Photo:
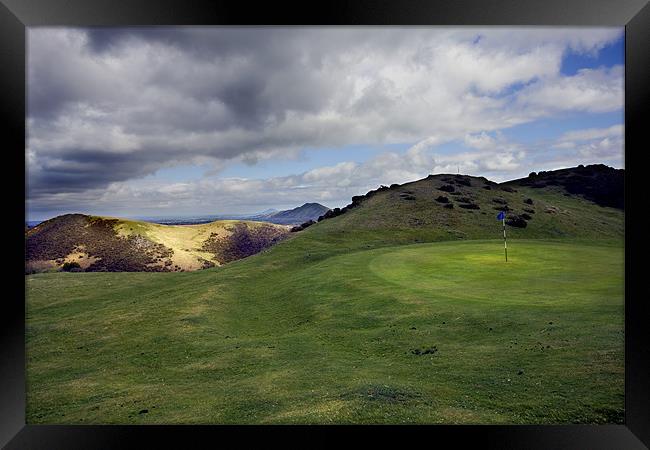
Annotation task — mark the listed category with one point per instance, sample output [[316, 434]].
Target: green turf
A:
[[300, 335]]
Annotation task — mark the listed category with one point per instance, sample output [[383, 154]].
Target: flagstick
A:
[[505, 242]]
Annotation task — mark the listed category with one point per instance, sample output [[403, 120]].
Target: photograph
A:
[[325, 225]]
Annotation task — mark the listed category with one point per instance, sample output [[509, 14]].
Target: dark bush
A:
[[394, 186], [465, 200], [331, 213], [424, 351], [487, 187], [508, 189], [447, 188], [529, 201], [500, 201], [531, 211], [516, 221], [302, 226], [449, 206], [463, 180], [357, 199], [526, 216], [70, 266], [502, 208], [442, 199], [532, 175], [206, 264], [469, 206]]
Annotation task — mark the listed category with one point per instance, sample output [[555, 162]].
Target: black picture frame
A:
[[16, 15]]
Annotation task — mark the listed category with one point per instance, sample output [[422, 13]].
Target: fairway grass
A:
[[428, 333]]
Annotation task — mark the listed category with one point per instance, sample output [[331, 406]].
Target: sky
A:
[[180, 121]]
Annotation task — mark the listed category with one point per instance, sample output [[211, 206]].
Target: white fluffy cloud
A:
[[617, 131], [590, 90]]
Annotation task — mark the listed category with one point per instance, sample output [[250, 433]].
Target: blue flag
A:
[[501, 216]]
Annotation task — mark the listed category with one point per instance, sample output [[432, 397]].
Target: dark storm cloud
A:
[[110, 105], [173, 91], [78, 169]]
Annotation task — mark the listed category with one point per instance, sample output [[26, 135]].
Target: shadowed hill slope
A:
[[599, 183]]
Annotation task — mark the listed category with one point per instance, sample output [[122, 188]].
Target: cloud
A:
[[593, 133], [480, 141], [332, 185], [107, 107], [584, 146], [590, 90]]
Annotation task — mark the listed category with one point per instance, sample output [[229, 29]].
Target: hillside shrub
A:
[[71, 266], [357, 199], [302, 226], [447, 188], [332, 213], [516, 221]]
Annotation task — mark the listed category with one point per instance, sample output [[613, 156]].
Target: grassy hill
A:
[[398, 310], [113, 244], [426, 211]]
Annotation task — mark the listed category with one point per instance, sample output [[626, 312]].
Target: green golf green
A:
[[428, 333]]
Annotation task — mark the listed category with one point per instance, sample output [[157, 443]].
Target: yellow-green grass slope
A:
[[351, 321], [187, 241]]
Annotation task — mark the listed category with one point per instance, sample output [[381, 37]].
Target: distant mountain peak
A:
[[267, 212], [300, 214]]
